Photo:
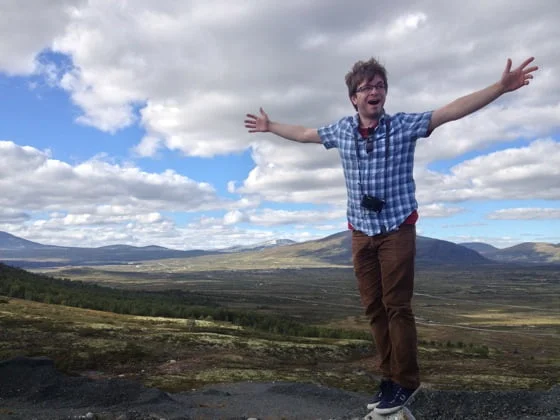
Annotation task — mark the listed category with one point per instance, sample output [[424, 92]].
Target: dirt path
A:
[[31, 388]]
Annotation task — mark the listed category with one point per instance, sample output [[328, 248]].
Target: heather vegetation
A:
[[479, 328], [21, 284]]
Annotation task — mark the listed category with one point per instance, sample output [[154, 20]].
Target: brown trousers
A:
[[384, 268]]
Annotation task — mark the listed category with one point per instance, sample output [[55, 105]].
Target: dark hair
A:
[[364, 70]]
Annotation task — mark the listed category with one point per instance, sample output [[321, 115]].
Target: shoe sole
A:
[[371, 406], [395, 409]]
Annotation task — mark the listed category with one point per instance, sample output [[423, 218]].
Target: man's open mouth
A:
[[374, 102]]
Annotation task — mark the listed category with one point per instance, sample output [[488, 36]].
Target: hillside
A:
[[337, 249], [9, 242], [479, 247], [525, 253], [259, 246], [331, 250], [430, 251], [529, 252], [170, 366], [23, 253]]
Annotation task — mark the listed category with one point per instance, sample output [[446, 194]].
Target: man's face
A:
[[369, 98]]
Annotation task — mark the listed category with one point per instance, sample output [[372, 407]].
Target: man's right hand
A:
[[261, 124], [258, 123]]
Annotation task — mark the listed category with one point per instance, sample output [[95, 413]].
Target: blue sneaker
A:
[[385, 389], [397, 400]]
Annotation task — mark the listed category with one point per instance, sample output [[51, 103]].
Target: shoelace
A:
[[400, 396]]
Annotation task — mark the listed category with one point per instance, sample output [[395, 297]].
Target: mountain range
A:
[[527, 252], [333, 249]]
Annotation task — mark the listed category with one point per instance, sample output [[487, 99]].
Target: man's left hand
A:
[[513, 80]]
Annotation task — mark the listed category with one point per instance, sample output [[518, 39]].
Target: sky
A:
[[121, 122]]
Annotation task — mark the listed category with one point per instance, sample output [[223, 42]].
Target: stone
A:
[[403, 414]]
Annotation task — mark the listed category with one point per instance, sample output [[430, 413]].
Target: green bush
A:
[[18, 283]]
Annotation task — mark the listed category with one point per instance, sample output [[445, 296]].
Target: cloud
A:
[[30, 179], [8, 215], [105, 215], [525, 214], [295, 173], [188, 72], [515, 173], [191, 99], [270, 217], [487, 128], [234, 217], [28, 28], [439, 210], [406, 24]]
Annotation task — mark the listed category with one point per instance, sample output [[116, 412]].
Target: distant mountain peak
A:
[[12, 242], [525, 252], [479, 247]]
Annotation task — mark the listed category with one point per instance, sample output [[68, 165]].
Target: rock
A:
[[403, 414]]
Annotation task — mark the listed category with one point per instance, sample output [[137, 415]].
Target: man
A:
[[376, 151]]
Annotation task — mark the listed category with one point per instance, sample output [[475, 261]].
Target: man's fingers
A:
[[531, 69], [252, 116], [508, 66], [526, 62]]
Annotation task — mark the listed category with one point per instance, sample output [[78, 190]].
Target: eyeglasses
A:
[[369, 88]]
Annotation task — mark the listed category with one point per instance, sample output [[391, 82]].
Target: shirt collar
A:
[[356, 119]]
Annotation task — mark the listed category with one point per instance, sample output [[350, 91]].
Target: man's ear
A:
[[354, 100]]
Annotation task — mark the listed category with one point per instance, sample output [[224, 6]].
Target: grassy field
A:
[[172, 354], [497, 328]]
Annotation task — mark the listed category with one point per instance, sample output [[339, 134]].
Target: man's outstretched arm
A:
[[261, 124], [510, 81]]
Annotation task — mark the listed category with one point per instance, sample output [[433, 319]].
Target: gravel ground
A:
[[31, 388]]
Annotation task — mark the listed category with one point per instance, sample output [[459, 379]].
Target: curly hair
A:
[[364, 70]]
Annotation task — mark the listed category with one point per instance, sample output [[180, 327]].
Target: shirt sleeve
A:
[[417, 125], [330, 134]]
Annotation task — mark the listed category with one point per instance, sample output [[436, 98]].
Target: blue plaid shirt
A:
[[399, 193]]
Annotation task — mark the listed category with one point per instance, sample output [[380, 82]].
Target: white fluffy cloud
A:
[[193, 68], [485, 129], [28, 27], [30, 179], [530, 172], [439, 210], [526, 214], [269, 217], [295, 173]]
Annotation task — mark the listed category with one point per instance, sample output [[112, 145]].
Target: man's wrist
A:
[[499, 88]]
